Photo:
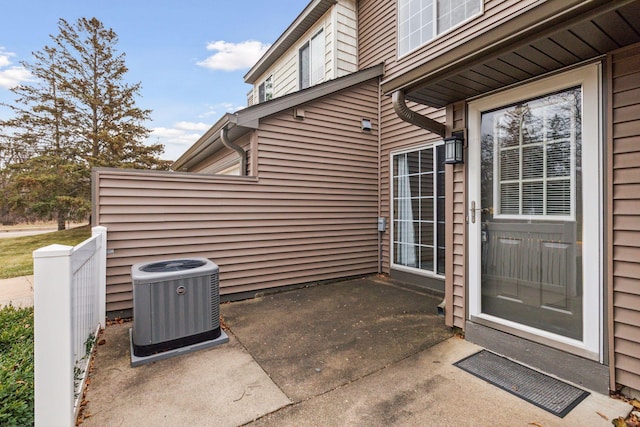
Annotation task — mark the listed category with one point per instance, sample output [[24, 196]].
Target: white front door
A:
[[534, 217]]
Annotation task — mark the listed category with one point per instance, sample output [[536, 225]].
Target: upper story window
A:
[[422, 20], [265, 90], [312, 61]]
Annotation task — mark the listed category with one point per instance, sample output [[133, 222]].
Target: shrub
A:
[[16, 366]]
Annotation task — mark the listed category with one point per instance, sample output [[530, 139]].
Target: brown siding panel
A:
[[376, 44], [309, 215], [624, 274], [496, 12]]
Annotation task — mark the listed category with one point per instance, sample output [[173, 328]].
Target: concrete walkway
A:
[[17, 291], [364, 352]]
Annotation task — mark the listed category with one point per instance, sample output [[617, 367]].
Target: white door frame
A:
[[589, 78]]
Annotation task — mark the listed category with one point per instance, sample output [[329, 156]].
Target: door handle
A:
[[472, 212]]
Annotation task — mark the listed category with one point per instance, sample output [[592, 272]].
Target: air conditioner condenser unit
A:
[[176, 308]]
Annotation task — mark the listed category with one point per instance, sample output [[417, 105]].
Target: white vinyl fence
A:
[[69, 310]]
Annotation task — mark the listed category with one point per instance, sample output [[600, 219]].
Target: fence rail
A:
[[69, 310]]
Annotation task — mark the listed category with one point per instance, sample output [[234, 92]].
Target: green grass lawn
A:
[[16, 254]]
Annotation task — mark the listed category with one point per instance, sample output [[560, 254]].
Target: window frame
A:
[[437, 219], [590, 78], [571, 177], [265, 90], [308, 45], [436, 34]]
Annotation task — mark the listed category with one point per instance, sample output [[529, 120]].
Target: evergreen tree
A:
[[112, 130], [76, 113]]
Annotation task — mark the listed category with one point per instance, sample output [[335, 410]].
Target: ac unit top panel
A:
[[175, 269]]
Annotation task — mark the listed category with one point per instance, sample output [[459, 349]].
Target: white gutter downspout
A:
[[410, 116], [224, 137]]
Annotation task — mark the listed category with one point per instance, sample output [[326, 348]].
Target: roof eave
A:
[[247, 119], [547, 18], [198, 148], [309, 16], [250, 117]]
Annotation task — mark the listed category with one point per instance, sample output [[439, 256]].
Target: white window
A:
[[422, 20], [312, 60], [265, 90], [418, 209], [534, 144]]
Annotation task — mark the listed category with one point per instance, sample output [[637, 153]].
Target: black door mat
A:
[[546, 392]]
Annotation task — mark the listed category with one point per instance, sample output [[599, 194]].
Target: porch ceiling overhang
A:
[[549, 37], [309, 16]]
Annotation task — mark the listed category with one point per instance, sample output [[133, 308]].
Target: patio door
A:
[[534, 204]]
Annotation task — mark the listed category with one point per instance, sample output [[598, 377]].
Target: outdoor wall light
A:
[[453, 150], [366, 124]]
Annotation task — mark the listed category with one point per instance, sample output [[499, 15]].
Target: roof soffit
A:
[[542, 40]]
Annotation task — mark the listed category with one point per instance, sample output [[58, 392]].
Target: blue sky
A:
[[189, 55]]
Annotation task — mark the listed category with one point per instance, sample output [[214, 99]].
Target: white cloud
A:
[[178, 138], [233, 56], [11, 76], [225, 107], [192, 126]]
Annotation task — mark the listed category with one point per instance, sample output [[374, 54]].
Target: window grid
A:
[[418, 209], [556, 182], [420, 21]]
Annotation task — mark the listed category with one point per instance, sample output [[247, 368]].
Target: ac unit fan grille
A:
[[176, 265]]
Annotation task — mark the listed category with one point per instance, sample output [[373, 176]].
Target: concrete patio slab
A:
[[367, 352], [17, 291], [427, 390], [315, 339], [222, 386]]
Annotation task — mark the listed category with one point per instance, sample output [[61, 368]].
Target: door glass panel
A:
[[531, 218], [419, 209]]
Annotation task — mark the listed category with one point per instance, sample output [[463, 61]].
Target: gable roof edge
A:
[[307, 18], [250, 117], [245, 120]]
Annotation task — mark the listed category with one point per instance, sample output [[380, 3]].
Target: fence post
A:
[[102, 273], [53, 342]]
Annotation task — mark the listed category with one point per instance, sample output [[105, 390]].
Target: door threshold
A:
[[570, 367]]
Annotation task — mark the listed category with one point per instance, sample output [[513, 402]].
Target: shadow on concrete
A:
[[315, 339], [365, 352]]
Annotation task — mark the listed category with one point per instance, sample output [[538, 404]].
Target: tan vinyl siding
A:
[[496, 12], [624, 221], [455, 310], [395, 134], [340, 31], [309, 216], [346, 33], [223, 158], [378, 33]]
